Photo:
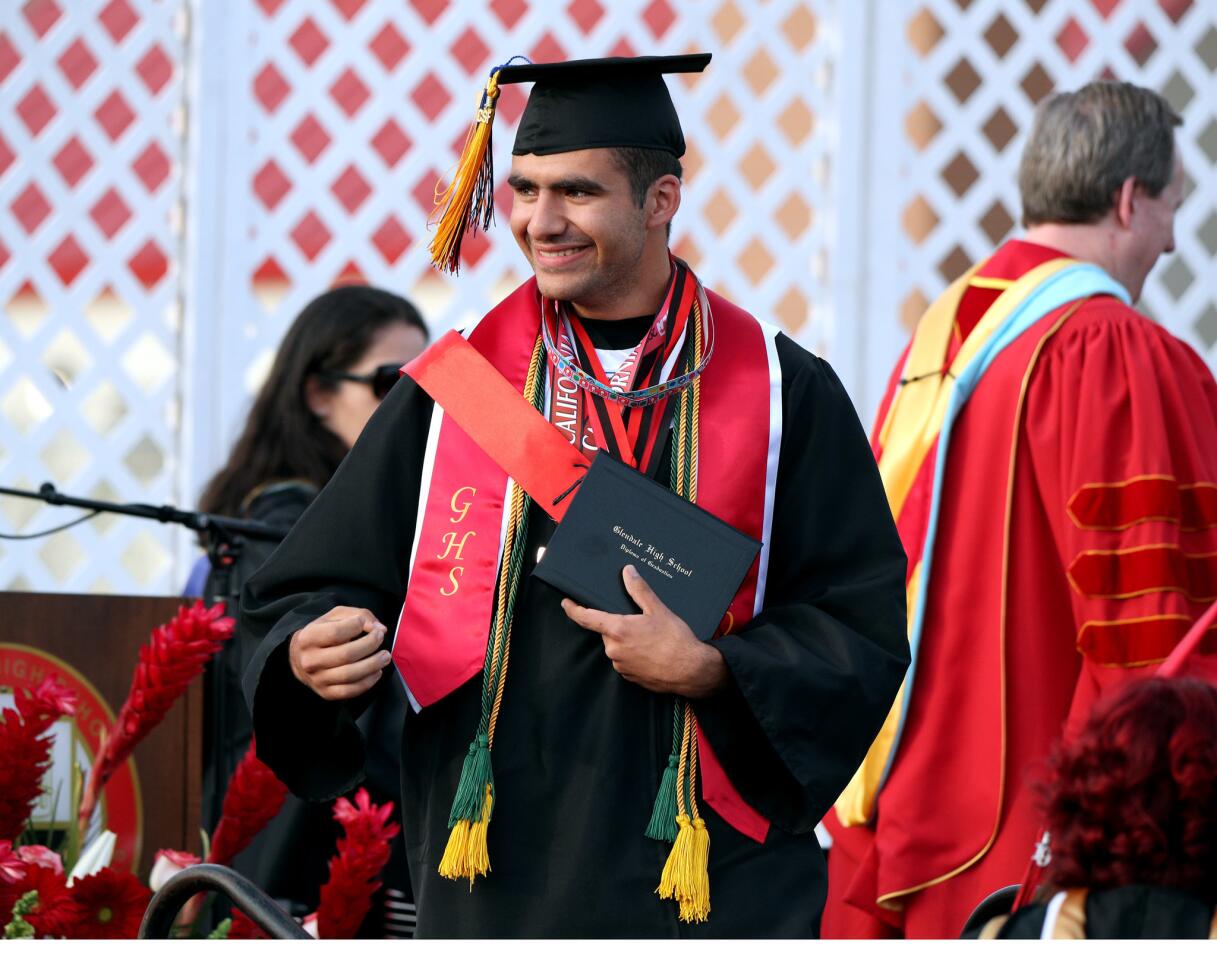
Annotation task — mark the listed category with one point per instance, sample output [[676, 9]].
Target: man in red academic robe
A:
[[1050, 455]]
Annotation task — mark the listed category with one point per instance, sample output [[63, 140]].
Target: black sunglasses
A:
[[381, 379]]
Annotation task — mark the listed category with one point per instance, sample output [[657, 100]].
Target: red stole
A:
[[443, 629]]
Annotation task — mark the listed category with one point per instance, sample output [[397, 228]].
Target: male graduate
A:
[[1050, 455], [564, 769]]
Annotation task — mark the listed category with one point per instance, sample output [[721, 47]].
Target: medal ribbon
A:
[[624, 413]]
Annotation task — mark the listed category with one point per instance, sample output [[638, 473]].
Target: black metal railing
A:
[[212, 878]]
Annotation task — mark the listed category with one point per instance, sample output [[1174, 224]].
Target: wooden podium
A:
[[92, 642]]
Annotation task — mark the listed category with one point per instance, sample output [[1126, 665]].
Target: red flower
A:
[[107, 905], [355, 871], [43, 856], [52, 916], [12, 867], [174, 656], [253, 797], [25, 751]]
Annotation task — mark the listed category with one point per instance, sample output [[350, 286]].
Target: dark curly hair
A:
[[1134, 798]]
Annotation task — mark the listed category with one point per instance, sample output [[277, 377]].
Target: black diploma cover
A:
[[691, 559]]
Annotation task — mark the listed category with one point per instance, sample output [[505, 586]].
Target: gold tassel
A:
[[466, 854], [468, 200], [695, 905]]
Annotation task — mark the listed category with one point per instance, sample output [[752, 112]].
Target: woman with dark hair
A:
[[337, 361], [1131, 807]]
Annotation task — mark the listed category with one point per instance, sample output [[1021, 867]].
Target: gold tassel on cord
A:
[[686, 875], [466, 854], [468, 200]]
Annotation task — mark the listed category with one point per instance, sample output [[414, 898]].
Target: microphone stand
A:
[[225, 537]]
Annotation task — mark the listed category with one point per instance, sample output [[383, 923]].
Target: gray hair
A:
[[1086, 143]]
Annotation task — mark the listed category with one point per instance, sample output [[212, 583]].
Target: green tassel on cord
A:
[[476, 776], [663, 815]]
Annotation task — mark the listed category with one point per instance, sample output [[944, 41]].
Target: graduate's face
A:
[[575, 218]]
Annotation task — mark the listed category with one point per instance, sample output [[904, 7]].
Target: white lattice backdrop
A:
[[957, 86], [91, 143], [315, 132]]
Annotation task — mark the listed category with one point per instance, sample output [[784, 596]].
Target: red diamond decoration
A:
[[389, 46], [73, 162], [1105, 7], [429, 10], [659, 17], [6, 155], [270, 88], [149, 265], [391, 143], [1141, 44], [350, 189], [585, 13], [118, 18], [68, 260], [512, 101], [470, 51], [310, 138], [311, 236], [308, 41], [270, 185], [155, 69], [110, 213], [269, 272], [1175, 9], [509, 11], [41, 15], [623, 48], [30, 208], [36, 110], [391, 240], [547, 50], [430, 96], [77, 63], [9, 57], [1072, 40], [503, 197], [348, 8], [114, 115], [349, 274], [425, 189], [270, 7], [474, 245], [152, 167], [349, 92], [3, 255]]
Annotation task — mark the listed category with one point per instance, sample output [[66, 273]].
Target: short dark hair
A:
[[644, 166], [1086, 143]]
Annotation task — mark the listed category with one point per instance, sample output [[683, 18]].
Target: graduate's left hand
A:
[[654, 649]]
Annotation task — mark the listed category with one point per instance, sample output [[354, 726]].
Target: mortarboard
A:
[[575, 105]]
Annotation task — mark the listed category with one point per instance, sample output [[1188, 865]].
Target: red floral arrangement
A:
[[253, 797], [363, 852], [39, 898], [25, 750], [176, 654]]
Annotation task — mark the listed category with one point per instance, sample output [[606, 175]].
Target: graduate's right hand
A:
[[338, 655]]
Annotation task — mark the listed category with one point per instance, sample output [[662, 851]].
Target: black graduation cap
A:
[[575, 105], [611, 102]]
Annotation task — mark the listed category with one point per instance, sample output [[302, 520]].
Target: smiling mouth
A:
[[554, 257]]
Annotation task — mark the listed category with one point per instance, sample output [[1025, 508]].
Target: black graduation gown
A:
[[578, 750]]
